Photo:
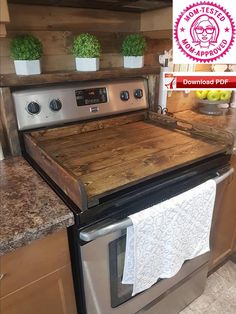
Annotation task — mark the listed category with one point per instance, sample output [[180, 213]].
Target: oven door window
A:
[[119, 293]]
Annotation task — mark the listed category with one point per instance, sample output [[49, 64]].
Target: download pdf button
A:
[[183, 81]]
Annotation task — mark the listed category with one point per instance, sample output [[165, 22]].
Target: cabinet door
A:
[[48, 295], [224, 223], [31, 262]]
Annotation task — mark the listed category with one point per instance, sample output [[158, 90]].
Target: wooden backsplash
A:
[[57, 26]]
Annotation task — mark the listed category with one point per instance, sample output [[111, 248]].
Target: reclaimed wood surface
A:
[[13, 80], [114, 5], [9, 124], [57, 26], [110, 158]]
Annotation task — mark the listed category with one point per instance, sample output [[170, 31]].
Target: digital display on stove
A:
[[91, 96]]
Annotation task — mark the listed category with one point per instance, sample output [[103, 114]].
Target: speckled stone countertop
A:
[[29, 208], [226, 122]]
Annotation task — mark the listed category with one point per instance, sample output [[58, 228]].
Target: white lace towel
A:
[[162, 237]]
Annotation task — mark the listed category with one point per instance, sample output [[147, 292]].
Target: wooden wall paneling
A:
[[179, 101], [3, 31], [9, 123], [156, 20], [4, 12], [156, 47], [203, 68], [29, 18], [3, 142], [153, 87], [57, 26]]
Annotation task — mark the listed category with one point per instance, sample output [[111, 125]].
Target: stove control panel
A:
[[57, 105]]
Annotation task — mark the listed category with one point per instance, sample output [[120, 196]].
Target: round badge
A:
[[204, 32]]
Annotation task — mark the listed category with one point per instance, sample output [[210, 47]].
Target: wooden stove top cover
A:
[[94, 159]]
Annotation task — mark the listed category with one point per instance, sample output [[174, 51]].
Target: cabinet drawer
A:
[[33, 261], [51, 294]]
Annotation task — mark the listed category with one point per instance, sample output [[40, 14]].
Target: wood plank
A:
[[146, 167], [4, 12], [66, 180], [153, 88], [156, 20], [28, 17], [114, 5], [57, 54], [158, 34], [62, 77], [3, 142], [179, 101], [78, 147], [82, 143], [88, 126], [3, 31], [60, 42], [120, 155], [124, 155], [205, 131], [9, 123], [63, 62]]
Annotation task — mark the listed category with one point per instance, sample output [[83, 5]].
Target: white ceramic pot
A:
[[133, 62], [27, 67], [87, 64]]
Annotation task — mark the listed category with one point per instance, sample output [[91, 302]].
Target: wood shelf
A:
[[13, 80]]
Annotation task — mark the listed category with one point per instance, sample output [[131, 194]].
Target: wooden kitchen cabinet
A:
[[224, 224], [37, 278], [50, 294], [4, 17]]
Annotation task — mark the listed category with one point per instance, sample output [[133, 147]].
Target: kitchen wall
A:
[[57, 26]]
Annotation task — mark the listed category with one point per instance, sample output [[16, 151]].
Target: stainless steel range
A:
[[108, 156]]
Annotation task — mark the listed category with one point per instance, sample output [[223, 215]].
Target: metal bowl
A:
[[211, 107]]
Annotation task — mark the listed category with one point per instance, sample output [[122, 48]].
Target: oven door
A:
[[103, 262]]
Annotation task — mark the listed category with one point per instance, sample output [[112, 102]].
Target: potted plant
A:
[[87, 50], [26, 50], [133, 48]]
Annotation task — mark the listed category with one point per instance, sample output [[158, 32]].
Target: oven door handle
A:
[[111, 225]]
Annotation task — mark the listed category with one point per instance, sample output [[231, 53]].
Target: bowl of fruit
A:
[[212, 101]]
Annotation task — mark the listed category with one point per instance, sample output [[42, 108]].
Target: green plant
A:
[[86, 46], [26, 47], [134, 45]]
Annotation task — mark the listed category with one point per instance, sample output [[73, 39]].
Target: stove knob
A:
[[124, 95], [55, 105], [33, 107], [138, 93]]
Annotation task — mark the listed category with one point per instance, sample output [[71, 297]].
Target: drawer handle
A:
[[1, 276]]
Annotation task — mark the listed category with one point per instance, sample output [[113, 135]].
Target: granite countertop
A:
[[226, 122], [29, 207]]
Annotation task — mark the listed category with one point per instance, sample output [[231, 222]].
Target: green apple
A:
[[201, 94], [213, 95], [225, 94]]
